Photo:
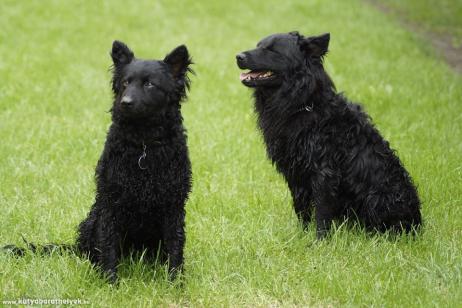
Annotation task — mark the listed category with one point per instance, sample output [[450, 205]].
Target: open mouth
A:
[[256, 75]]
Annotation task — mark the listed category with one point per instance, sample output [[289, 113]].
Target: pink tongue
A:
[[251, 74]]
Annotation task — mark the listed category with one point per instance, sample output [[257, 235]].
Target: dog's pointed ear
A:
[[316, 46], [178, 60], [121, 54]]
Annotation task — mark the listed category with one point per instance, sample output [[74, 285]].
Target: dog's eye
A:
[[148, 84], [125, 83]]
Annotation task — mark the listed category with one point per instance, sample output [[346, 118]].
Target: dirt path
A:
[[441, 42]]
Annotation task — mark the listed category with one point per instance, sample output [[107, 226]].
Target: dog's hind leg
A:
[[325, 195], [301, 197], [397, 212], [86, 236]]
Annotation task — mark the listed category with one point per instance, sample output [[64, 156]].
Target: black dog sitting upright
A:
[[144, 173], [329, 152], [143, 176]]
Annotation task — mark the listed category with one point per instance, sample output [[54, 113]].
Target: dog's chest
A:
[[296, 152], [144, 173]]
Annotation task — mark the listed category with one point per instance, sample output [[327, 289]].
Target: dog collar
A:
[[143, 155], [142, 158], [307, 108]]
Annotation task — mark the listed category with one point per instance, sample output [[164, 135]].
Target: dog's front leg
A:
[[301, 197], [326, 203], [174, 238], [108, 245]]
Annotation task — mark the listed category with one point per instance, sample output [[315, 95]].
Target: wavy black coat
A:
[[330, 153], [144, 174], [143, 177]]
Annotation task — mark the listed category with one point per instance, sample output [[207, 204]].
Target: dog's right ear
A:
[[121, 54]]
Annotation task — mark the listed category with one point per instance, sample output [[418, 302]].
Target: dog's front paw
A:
[[111, 276], [174, 272], [322, 234]]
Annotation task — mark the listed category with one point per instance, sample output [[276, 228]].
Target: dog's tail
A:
[[45, 249]]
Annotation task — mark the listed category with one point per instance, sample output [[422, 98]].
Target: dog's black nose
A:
[[240, 57], [126, 100]]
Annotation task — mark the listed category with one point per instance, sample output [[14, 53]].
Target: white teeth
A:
[[256, 77]]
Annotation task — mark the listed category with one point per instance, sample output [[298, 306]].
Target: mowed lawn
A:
[[244, 245]]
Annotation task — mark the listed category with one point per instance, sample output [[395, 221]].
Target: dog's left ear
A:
[[178, 60], [316, 46]]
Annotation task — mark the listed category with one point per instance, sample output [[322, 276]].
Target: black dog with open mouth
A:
[[331, 155]]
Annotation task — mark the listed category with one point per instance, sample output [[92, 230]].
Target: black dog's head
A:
[[145, 88], [278, 56]]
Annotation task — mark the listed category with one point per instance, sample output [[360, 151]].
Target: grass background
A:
[[442, 17], [244, 246]]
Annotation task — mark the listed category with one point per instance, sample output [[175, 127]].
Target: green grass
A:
[[442, 17], [244, 246]]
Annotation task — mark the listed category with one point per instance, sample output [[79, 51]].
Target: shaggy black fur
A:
[[144, 174], [329, 152]]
